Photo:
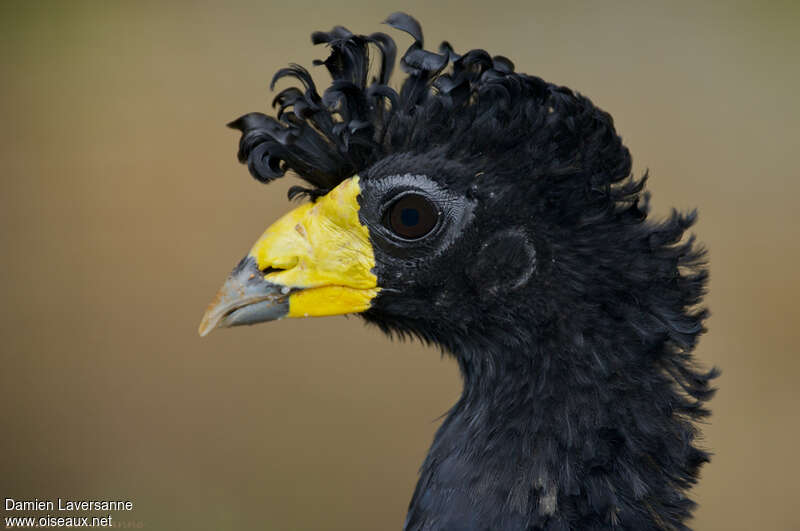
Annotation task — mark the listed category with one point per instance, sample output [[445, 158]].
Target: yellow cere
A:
[[324, 249]]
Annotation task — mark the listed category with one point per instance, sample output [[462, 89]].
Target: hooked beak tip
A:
[[205, 327], [244, 298]]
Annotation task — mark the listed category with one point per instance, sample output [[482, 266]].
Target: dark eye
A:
[[412, 216]]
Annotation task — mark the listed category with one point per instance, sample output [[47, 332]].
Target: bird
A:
[[494, 215]]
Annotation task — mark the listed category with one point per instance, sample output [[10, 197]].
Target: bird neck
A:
[[555, 431]]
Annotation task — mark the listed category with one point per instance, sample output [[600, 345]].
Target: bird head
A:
[[472, 199], [494, 214]]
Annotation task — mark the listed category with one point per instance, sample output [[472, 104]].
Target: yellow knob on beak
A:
[[316, 260]]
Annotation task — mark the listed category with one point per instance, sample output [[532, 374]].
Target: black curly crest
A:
[[355, 122]]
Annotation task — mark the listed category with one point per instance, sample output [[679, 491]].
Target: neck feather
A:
[[556, 431]]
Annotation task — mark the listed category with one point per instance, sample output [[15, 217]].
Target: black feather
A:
[[580, 390]]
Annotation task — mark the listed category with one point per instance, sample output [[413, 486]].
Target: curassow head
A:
[[473, 204], [494, 214]]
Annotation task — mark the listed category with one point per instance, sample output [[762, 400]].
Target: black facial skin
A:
[[379, 195], [427, 278], [572, 316], [419, 266], [469, 271]]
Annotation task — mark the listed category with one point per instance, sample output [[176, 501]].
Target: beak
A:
[[245, 298], [316, 260]]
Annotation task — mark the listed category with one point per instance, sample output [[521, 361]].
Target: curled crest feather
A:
[[468, 105]]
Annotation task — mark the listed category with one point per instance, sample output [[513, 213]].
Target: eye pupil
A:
[[411, 216]]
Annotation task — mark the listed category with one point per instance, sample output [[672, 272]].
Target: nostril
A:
[[285, 265]]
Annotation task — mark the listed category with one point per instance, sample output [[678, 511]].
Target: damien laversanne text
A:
[[62, 504]]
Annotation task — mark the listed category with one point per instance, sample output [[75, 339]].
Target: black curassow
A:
[[495, 215]]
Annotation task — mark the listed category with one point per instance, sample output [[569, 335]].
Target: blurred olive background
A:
[[123, 208]]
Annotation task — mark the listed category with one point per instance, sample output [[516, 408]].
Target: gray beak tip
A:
[[245, 298]]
